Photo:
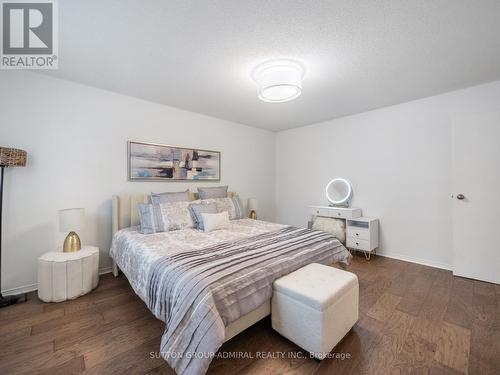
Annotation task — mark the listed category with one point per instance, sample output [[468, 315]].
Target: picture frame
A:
[[159, 162]]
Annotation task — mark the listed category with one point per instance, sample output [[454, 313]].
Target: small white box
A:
[[315, 307]]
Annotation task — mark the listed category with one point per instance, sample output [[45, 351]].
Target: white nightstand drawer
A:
[[359, 244], [338, 212], [361, 233]]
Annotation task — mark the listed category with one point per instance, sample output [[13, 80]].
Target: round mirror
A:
[[339, 192]]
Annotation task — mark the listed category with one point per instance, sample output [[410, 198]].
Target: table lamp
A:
[[71, 220], [252, 207], [9, 157]]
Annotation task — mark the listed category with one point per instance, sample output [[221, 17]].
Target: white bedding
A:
[[200, 282], [143, 250]]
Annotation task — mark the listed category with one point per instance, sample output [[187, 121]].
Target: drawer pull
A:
[[357, 234], [357, 243], [339, 214]]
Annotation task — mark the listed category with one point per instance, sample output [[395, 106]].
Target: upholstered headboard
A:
[[125, 212]]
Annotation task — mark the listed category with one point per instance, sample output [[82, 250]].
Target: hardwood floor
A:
[[413, 319]]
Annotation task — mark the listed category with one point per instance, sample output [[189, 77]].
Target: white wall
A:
[[76, 138], [399, 161]]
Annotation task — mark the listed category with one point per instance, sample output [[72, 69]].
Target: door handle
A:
[[460, 196]]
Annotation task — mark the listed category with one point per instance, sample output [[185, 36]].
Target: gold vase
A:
[[253, 215], [72, 243]]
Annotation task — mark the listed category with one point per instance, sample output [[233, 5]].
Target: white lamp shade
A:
[[252, 204], [71, 219], [278, 80]]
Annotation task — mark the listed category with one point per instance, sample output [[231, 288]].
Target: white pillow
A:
[[215, 221]]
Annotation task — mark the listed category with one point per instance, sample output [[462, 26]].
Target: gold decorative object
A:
[[12, 157], [72, 243], [71, 220], [252, 207]]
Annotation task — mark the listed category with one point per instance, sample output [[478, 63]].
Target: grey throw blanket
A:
[[198, 293]]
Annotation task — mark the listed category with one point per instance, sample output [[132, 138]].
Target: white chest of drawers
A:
[[362, 234]]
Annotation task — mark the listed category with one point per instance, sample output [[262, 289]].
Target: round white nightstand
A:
[[63, 276]]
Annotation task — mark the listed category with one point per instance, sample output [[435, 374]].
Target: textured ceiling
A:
[[359, 55]]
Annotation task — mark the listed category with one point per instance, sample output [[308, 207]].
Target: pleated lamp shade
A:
[[252, 204]]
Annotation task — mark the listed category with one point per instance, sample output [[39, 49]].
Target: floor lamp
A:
[[9, 157]]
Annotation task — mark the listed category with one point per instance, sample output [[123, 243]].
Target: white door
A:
[[476, 217]]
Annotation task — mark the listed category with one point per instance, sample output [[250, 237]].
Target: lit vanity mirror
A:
[[339, 192]]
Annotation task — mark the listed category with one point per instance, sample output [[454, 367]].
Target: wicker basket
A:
[[12, 157]]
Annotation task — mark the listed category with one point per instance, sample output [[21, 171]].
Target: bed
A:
[[208, 287]]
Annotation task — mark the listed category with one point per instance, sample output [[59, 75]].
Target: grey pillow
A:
[[151, 219], [212, 192], [181, 196], [239, 211], [198, 209]]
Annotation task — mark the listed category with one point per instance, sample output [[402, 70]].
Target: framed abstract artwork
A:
[[149, 161]]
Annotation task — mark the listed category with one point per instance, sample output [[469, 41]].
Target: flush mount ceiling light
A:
[[278, 80]]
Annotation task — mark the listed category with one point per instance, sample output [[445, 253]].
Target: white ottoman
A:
[[63, 276], [315, 307]]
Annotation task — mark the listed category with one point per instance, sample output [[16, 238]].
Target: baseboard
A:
[[32, 287], [102, 271], [20, 289], [423, 262]]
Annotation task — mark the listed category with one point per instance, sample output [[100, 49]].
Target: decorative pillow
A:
[[239, 210], [151, 219], [181, 196], [212, 192], [176, 215], [213, 222], [232, 205], [198, 209]]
